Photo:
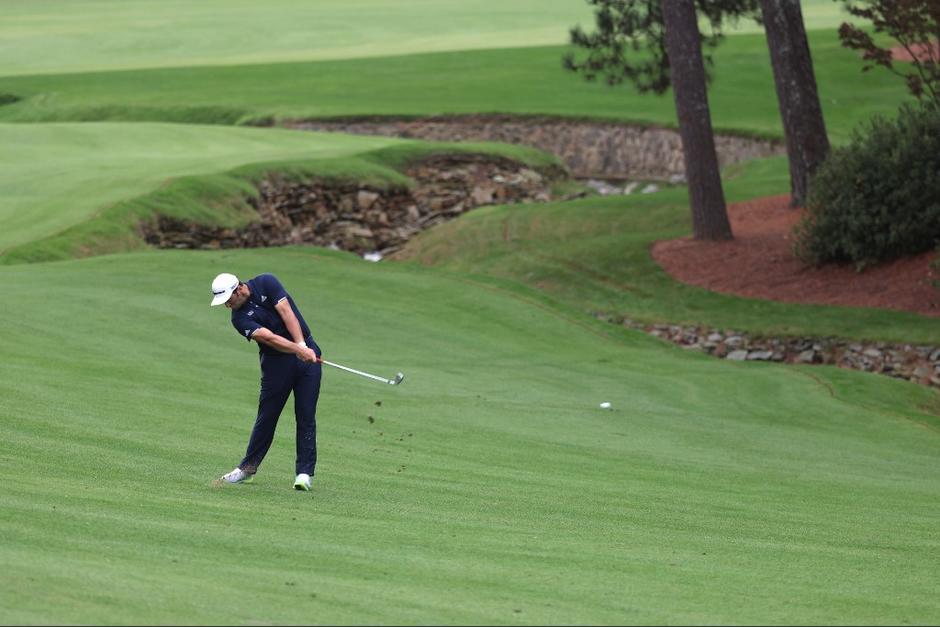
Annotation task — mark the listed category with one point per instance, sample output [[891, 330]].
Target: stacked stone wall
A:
[[912, 362], [362, 218], [610, 151]]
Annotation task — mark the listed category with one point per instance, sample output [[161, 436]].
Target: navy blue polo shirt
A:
[[258, 311]]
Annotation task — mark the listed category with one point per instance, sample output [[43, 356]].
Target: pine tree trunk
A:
[[803, 125], [683, 43]]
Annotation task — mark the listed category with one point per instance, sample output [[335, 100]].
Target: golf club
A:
[[398, 377]]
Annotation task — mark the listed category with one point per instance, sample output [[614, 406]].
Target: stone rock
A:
[[603, 188], [530, 176], [806, 357], [357, 219], [482, 195], [759, 355], [365, 199], [739, 355]]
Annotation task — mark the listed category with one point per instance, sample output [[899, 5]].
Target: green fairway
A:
[[43, 36], [519, 81], [80, 36], [489, 488]]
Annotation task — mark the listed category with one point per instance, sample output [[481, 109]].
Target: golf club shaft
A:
[[360, 373]]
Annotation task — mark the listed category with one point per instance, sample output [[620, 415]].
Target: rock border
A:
[[365, 219], [589, 148], [917, 363]]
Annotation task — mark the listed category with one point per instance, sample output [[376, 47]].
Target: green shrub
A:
[[879, 197]]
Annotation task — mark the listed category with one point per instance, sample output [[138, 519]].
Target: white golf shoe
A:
[[237, 476], [302, 482]]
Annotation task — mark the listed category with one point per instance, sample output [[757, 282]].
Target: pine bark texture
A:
[[683, 43], [803, 124]]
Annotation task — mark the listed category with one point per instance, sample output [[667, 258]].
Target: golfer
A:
[[290, 362]]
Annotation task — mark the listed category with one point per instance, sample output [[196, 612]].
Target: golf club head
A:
[[397, 379]]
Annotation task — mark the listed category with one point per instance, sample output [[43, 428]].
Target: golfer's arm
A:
[[290, 320], [275, 341]]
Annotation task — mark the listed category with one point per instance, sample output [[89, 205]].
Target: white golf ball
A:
[[605, 405]]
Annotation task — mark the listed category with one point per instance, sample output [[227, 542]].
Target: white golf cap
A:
[[222, 288]]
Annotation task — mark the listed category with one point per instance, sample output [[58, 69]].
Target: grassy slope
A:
[[98, 180], [489, 489], [594, 255], [520, 81], [86, 167]]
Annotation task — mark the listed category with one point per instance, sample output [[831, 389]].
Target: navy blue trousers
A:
[[282, 374]]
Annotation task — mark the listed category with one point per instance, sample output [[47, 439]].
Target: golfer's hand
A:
[[307, 354]]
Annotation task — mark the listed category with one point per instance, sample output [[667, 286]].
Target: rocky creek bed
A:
[[364, 219]]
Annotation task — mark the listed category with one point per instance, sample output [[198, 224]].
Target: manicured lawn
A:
[[488, 488], [45, 36], [519, 81]]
